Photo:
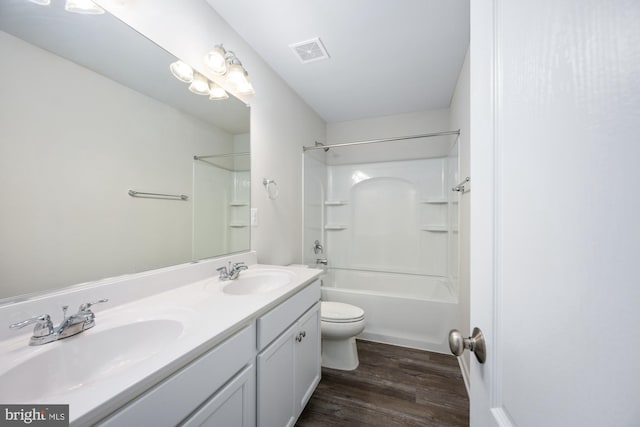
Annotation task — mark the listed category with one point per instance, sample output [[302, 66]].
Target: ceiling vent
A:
[[310, 50]]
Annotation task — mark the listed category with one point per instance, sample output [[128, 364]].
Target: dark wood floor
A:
[[392, 387]]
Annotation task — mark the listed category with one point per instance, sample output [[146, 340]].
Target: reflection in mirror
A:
[[221, 204], [89, 111]]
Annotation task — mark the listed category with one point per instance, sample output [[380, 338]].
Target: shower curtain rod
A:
[[220, 155], [398, 138]]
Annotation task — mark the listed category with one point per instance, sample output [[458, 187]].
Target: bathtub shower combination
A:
[[386, 218]]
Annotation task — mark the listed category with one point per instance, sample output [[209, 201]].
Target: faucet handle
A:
[[238, 264], [86, 305], [223, 272], [43, 326], [87, 315]]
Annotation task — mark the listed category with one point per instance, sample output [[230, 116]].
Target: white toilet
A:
[[339, 325]]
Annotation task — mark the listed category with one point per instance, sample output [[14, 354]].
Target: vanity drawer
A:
[[171, 401], [272, 324]]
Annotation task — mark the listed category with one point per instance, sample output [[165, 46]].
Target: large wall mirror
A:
[[89, 111]]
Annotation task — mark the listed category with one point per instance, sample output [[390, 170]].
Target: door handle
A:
[[475, 343]]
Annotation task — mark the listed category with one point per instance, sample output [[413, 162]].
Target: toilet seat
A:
[[338, 312]]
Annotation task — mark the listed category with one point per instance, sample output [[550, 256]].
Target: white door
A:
[[555, 212]]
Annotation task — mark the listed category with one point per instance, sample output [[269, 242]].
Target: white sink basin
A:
[[78, 361], [258, 282]]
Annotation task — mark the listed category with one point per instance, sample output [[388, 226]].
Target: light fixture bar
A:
[[220, 61]]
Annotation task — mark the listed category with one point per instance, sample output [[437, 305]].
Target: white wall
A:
[[65, 176], [388, 126], [281, 123], [459, 119]]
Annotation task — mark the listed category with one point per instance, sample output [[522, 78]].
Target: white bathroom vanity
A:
[[203, 351]]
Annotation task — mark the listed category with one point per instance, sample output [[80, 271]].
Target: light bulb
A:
[[199, 85], [246, 88], [235, 74], [216, 92], [86, 7], [216, 60], [182, 71]]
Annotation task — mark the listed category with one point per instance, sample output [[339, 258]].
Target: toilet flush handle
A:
[[475, 343]]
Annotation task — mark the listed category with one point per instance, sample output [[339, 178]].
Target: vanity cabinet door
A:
[[289, 371], [233, 406], [307, 357], [276, 382]]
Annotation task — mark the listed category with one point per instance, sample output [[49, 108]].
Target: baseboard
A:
[[403, 342], [464, 369]]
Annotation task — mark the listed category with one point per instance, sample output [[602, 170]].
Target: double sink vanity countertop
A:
[[135, 345]]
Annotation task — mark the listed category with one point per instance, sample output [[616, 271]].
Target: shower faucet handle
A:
[[317, 247]]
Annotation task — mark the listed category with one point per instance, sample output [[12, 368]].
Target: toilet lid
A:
[[339, 312]]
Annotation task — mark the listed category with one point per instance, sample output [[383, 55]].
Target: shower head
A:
[[320, 144]]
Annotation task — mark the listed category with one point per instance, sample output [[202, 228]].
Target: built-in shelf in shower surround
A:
[[437, 228], [238, 225], [335, 202], [437, 201], [335, 227], [238, 203]]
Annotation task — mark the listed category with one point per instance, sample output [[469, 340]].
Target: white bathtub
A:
[[402, 309]]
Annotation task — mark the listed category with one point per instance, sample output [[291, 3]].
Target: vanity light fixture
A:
[[216, 60], [226, 63], [236, 72], [41, 2], [220, 61], [199, 85], [86, 7], [216, 92], [246, 87], [182, 71], [238, 76]]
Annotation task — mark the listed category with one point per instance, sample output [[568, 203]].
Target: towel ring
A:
[[272, 188]]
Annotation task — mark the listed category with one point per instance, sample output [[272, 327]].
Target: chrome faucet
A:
[[317, 247], [44, 331], [232, 272], [322, 261]]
